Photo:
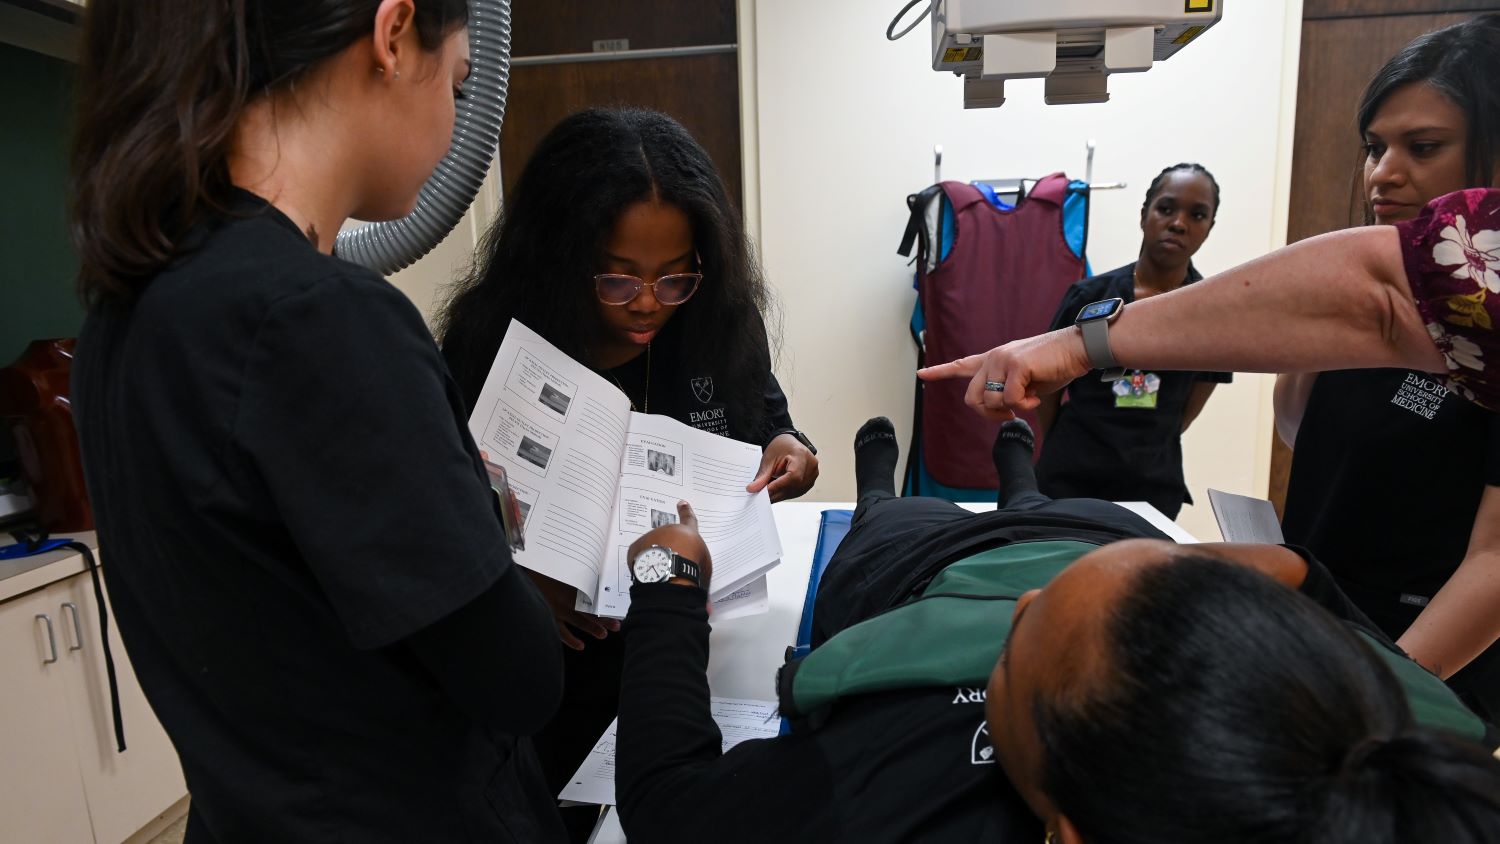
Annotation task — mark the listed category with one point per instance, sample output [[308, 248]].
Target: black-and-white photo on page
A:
[[662, 517], [555, 399], [534, 452], [542, 384], [660, 461]]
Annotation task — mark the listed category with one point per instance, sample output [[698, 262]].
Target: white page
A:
[[1245, 519], [666, 461], [559, 431], [754, 598], [738, 719], [608, 830], [1159, 520]]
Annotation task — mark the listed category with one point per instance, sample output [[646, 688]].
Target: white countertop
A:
[[25, 574]]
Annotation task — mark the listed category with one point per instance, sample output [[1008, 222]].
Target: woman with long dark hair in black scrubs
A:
[[304, 555], [619, 245], [1369, 440]]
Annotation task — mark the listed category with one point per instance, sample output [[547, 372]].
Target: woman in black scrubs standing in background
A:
[[1122, 440]]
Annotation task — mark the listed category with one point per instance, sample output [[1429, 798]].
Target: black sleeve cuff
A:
[[668, 596]]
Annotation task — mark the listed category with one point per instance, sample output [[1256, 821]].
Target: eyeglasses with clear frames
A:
[[674, 289]]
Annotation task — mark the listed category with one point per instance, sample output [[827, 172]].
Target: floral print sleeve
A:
[[1452, 257]]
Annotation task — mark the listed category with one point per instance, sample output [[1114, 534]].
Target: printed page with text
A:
[[559, 431]]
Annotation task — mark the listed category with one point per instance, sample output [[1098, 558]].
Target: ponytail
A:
[[162, 85], [1420, 785], [1230, 708]]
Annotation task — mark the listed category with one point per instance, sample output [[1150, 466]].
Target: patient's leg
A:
[[1012, 452], [875, 453]]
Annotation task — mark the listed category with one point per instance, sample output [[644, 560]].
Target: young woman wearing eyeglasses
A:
[[619, 244]]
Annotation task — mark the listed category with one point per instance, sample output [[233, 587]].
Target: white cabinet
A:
[[64, 780], [41, 798]]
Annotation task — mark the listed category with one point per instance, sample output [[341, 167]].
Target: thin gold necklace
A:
[[646, 399]]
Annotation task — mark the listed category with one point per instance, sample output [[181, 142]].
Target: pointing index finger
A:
[[952, 369]]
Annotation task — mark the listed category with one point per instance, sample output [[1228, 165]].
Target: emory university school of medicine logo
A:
[[703, 388]]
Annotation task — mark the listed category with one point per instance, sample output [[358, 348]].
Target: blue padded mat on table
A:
[[831, 531]]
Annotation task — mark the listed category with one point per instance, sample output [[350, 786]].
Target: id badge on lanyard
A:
[[1137, 390]]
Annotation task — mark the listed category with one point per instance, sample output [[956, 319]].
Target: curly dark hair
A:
[[536, 264]]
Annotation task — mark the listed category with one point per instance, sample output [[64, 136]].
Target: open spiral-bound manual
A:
[[591, 476]]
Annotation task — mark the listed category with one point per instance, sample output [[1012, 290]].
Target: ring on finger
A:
[[994, 386]]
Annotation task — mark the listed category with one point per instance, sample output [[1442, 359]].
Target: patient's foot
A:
[[1012, 452], [875, 453]]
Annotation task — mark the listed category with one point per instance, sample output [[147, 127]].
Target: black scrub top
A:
[[285, 489], [692, 392], [1119, 441], [1386, 481]]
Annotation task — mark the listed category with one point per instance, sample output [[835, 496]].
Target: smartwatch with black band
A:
[[1093, 322]]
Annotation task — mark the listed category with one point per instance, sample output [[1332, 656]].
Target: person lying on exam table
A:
[[995, 676]]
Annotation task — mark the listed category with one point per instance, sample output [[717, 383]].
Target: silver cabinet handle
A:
[[51, 637], [77, 626]]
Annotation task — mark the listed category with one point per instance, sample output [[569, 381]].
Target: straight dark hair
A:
[[537, 262], [161, 85], [1235, 709], [1462, 62]]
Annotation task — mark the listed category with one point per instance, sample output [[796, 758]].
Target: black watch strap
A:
[[801, 438], [683, 567]]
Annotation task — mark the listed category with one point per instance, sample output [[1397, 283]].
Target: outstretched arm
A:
[[1336, 301], [672, 780]]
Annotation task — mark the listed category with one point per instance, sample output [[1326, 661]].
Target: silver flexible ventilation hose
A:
[[391, 246]]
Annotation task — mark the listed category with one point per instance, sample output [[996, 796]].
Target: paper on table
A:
[[1245, 519], [1159, 520], [754, 598], [738, 719]]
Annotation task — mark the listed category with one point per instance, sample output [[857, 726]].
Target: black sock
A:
[[1012, 452], [875, 453]]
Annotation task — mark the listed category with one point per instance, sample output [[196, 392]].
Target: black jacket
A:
[[895, 766], [903, 765]]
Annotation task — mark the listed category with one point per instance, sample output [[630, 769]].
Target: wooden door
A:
[[1344, 42], [697, 82]]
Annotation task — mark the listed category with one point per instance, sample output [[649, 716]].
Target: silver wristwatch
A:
[[1093, 322], [658, 564]]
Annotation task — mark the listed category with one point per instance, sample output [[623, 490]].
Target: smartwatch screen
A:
[[1099, 310]]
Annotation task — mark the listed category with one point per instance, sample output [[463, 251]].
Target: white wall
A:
[[844, 123], [427, 281]]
